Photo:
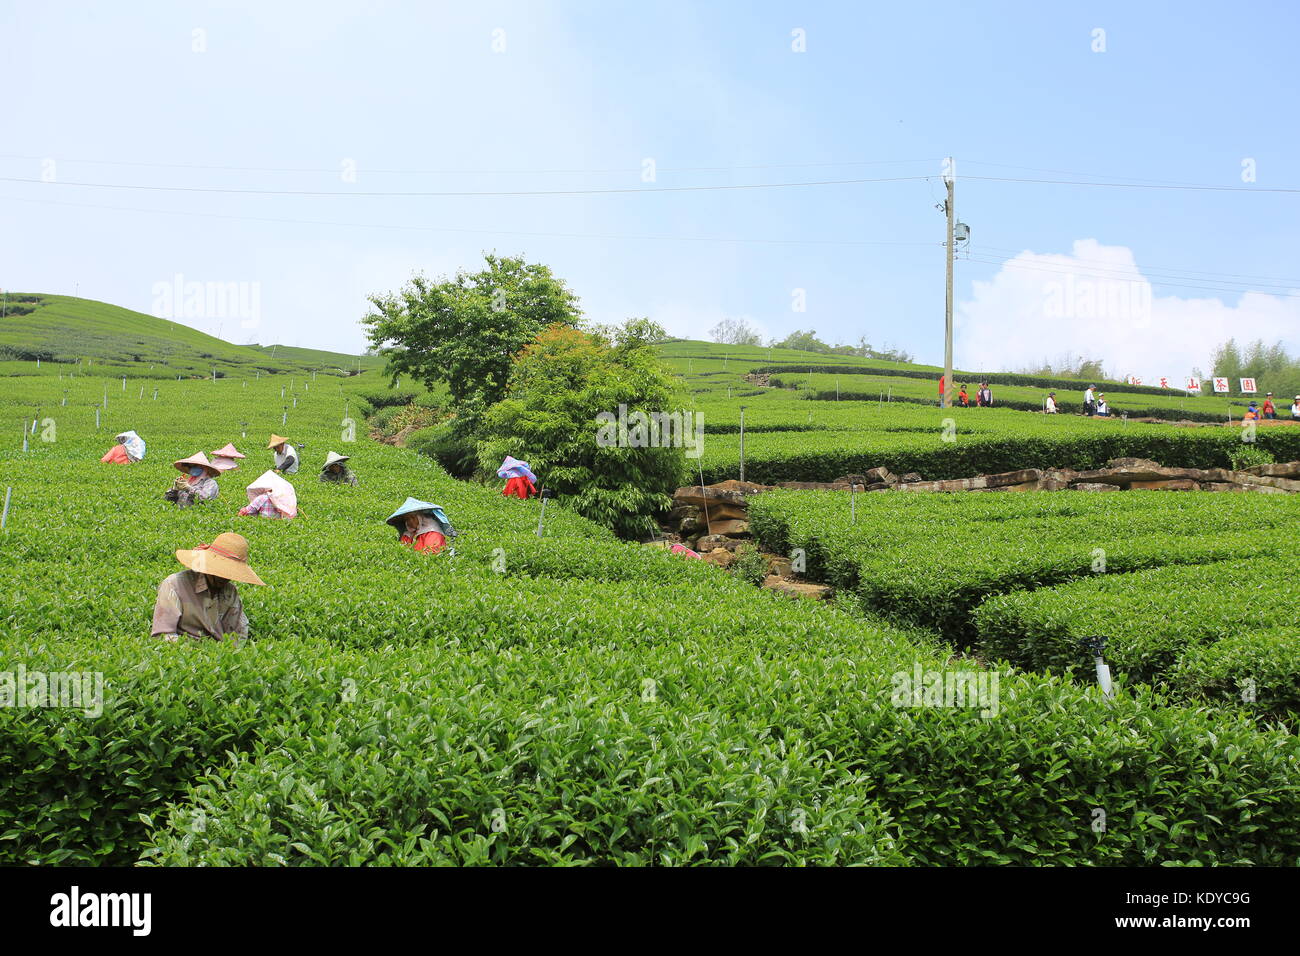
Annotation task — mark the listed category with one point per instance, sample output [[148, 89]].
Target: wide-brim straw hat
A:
[[226, 557], [230, 451], [197, 459], [333, 457], [276, 440]]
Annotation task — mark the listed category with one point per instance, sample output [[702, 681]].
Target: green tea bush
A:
[[981, 544], [616, 705], [1198, 633]]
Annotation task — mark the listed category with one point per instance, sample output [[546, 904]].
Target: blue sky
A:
[[577, 96]]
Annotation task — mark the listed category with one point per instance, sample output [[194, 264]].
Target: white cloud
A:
[[1095, 302]]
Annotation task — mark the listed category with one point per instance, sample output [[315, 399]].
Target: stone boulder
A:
[[730, 491], [796, 589], [779, 566], [1166, 484], [814, 485], [731, 529], [719, 556], [711, 542], [1289, 469]]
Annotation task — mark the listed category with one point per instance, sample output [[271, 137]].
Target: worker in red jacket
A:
[[520, 480], [422, 525]]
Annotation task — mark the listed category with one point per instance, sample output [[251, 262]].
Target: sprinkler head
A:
[[1094, 645]]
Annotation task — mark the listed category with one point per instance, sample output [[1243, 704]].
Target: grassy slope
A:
[[70, 329]]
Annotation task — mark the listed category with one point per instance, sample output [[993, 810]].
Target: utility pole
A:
[[947, 317]]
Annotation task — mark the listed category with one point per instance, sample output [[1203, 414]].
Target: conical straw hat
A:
[[230, 451], [276, 440], [332, 457], [226, 557], [197, 459], [282, 494]]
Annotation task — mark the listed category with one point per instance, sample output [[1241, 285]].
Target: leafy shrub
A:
[[750, 565], [1249, 454], [1195, 632], [387, 399], [454, 452]]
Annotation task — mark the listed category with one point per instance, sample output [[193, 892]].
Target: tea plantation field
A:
[[790, 435], [1194, 591], [569, 699]]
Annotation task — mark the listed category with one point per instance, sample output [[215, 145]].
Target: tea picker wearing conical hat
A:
[[286, 456], [198, 481], [226, 459], [336, 471], [202, 601], [421, 525], [129, 449], [270, 496]]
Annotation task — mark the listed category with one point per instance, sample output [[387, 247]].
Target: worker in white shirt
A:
[[1051, 403], [1089, 402]]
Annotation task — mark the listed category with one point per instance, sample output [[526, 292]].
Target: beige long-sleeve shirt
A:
[[186, 605]]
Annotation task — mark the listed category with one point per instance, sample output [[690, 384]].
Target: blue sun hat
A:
[[413, 505]]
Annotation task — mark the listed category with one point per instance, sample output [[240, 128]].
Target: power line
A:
[[443, 172], [412, 194], [1067, 172], [1189, 186], [1294, 283], [1132, 277], [493, 232], [1144, 272]]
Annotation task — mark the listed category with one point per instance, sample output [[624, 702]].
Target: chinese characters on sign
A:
[[1248, 386], [1220, 384]]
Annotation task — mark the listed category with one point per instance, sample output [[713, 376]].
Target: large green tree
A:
[[466, 330], [562, 414]]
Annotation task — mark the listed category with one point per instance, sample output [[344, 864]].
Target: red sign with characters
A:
[[1220, 384], [1193, 384], [1248, 386]]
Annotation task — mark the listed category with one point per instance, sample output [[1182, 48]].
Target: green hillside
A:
[[320, 359], [95, 336]]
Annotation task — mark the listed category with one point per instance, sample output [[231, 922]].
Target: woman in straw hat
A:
[[129, 448], [336, 471], [421, 525], [202, 601], [198, 481], [270, 496], [226, 459], [286, 456]]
